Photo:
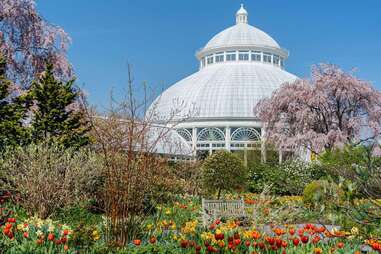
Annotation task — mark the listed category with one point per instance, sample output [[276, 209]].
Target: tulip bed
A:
[[176, 228]]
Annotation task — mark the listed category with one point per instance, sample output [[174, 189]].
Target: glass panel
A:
[[230, 56], [256, 56], [210, 59], [267, 57], [219, 57], [243, 55], [276, 59]]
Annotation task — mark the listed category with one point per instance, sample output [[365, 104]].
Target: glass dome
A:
[[238, 67]]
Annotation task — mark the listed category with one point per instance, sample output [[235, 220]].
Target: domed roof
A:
[[241, 34], [222, 90]]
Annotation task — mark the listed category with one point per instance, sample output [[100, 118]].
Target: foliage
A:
[[57, 114], [322, 192], [324, 112], [357, 165], [189, 176], [359, 174], [288, 178], [12, 113], [27, 41], [223, 171], [48, 178]]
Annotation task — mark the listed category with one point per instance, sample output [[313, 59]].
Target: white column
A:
[[227, 138], [194, 140], [263, 145]]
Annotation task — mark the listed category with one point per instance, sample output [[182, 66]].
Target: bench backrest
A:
[[213, 209]]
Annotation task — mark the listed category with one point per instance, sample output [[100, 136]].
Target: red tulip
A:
[[152, 240], [211, 248], [316, 239], [184, 243], [137, 242], [219, 236], [304, 239], [296, 241], [11, 220], [51, 237]]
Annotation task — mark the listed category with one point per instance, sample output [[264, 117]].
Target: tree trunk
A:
[[219, 193]]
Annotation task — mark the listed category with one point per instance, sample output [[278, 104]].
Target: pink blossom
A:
[[327, 111]]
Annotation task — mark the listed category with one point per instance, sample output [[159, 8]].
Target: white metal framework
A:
[[238, 67]]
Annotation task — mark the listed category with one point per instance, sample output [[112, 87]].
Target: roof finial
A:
[[241, 16]]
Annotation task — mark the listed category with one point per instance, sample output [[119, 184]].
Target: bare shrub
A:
[[47, 177], [135, 142]]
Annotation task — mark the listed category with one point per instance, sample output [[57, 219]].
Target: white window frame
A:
[[267, 56], [244, 54], [218, 56], [230, 55], [255, 55]]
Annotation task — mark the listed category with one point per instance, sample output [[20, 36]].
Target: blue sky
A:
[[159, 38]]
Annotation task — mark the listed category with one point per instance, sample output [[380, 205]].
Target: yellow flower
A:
[[190, 227], [39, 233], [207, 236], [95, 235], [20, 227], [149, 226], [355, 231], [168, 211]]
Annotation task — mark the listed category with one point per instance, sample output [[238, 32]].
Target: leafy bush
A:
[[355, 164], [47, 177], [322, 192], [223, 171], [288, 178]]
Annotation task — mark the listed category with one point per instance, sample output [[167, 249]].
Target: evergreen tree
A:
[[56, 116], [13, 110]]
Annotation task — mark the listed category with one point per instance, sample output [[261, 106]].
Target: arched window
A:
[[211, 134], [185, 134], [245, 134]]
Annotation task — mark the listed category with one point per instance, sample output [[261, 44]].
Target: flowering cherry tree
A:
[[330, 110], [28, 41]]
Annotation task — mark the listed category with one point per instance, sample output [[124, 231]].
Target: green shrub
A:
[[288, 178], [322, 192], [223, 171]]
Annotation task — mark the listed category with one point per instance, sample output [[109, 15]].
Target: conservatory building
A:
[[237, 67]]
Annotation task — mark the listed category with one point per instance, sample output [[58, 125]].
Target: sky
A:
[[159, 38]]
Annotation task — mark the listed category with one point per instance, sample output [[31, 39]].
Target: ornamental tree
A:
[[329, 110], [57, 113], [12, 112], [223, 171], [27, 41]]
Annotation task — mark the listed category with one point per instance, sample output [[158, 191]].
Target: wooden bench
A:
[[215, 209]]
